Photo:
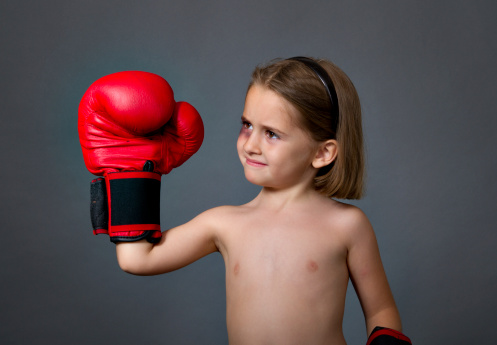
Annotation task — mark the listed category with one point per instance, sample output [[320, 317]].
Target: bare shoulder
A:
[[222, 212], [350, 221], [349, 215], [221, 221], [221, 217]]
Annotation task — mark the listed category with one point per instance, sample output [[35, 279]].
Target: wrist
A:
[[126, 206]]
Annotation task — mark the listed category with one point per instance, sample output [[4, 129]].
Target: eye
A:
[[246, 125], [272, 135]]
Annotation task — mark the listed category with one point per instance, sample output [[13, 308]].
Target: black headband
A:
[[328, 85]]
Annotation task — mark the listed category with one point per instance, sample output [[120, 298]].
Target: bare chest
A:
[[294, 251], [286, 280]]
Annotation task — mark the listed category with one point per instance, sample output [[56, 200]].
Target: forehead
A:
[[265, 105]]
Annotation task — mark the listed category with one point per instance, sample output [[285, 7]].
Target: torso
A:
[[286, 274]]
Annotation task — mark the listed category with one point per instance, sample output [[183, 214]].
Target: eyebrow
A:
[[268, 128]]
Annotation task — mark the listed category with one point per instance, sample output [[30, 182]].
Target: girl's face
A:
[[274, 151]]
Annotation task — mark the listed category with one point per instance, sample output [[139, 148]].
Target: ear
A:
[[326, 153]]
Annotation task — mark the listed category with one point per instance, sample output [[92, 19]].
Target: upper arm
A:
[[177, 248], [368, 275]]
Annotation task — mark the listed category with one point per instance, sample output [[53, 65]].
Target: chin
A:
[[255, 179]]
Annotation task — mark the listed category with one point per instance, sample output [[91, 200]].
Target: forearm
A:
[[135, 257], [387, 317], [178, 247]]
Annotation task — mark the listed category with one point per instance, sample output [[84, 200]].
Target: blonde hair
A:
[[300, 85]]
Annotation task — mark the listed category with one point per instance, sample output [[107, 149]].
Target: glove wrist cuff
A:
[[134, 203], [387, 336], [126, 206]]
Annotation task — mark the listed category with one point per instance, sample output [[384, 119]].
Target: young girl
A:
[[291, 251]]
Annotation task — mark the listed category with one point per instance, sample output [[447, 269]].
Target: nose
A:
[[251, 144]]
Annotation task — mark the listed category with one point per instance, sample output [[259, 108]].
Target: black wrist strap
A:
[[134, 199], [99, 213]]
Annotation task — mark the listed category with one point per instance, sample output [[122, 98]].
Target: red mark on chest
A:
[[312, 266]]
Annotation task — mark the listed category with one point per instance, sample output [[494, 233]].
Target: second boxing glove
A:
[[387, 336]]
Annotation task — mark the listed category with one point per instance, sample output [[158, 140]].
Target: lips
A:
[[255, 163]]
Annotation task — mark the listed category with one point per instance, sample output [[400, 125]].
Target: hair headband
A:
[[328, 85]]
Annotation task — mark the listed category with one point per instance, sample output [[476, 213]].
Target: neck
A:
[[273, 199]]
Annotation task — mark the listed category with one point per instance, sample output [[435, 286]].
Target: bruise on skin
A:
[[312, 266], [236, 269]]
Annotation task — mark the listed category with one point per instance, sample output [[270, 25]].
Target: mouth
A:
[[254, 163]]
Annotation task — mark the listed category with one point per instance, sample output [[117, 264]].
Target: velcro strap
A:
[[134, 199], [98, 206]]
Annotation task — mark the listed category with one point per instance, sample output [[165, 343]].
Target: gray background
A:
[[425, 72]]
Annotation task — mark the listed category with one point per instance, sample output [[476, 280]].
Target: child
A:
[[291, 251]]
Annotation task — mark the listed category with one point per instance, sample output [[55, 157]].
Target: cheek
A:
[[292, 162], [240, 142], [242, 138]]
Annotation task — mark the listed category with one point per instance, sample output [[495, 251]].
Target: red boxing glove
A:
[[387, 336], [131, 131]]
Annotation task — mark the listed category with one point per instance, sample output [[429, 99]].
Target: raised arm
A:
[[369, 279], [177, 248]]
